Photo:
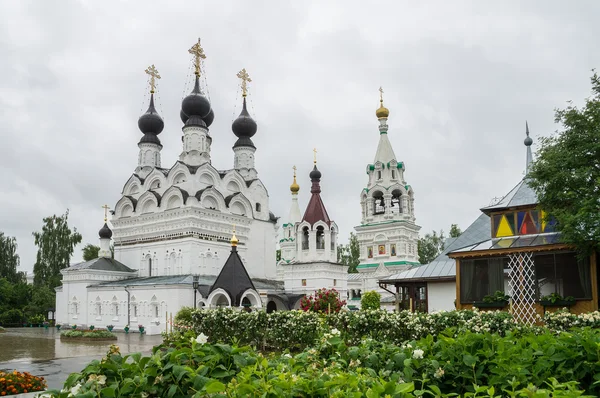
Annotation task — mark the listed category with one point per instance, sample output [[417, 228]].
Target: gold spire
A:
[[151, 70], [245, 80], [382, 112], [105, 207], [315, 155], [234, 239], [198, 52], [294, 187]]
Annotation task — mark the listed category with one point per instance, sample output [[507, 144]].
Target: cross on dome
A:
[[151, 70], [105, 207], [315, 155], [245, 77], [198, 52]]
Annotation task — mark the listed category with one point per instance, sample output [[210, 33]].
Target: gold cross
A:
[[245, 80], [198, 52], [294, 171], [151, 70], [105, 207], [315, 154], [380, 94]]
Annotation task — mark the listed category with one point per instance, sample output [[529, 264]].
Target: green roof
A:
[[387, 264]]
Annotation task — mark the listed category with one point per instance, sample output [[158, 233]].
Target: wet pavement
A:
[[41, 352]]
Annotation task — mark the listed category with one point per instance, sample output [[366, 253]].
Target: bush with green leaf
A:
[[469, 365], [370, 300], [88, 334]]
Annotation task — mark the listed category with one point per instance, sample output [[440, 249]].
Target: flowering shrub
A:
[[370, 300], [20, 382], [562, 320], [88, 334], [470, 365], [323, 300]]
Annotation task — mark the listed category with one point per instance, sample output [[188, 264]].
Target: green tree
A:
[[430, 246], [370, 300], [90, 252], [9, 259], [56, 243], [566, 174], [455, 231], [42, 299], [349, 254]]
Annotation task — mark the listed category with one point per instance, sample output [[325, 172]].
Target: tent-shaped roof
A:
[[233, 278], [520, 195]]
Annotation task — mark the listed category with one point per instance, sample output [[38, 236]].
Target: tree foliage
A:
[[9, 259], [56, 243], [566, 173], [455, 231], [349, 254], [430, 246], [90, 252], [370, 300]]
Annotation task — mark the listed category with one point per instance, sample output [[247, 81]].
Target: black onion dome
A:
[[183, 116], [244, 125], [315, 174], [151, 122], [196, 104], [105, 232], [244, 141], [150, 139], [208, 119]]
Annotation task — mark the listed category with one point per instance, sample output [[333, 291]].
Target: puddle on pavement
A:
[[33, 344]]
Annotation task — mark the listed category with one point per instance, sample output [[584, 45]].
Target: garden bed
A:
[[87, 335]]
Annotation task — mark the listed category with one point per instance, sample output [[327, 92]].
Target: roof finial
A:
[[151, 70], [294, 187], [105, 207], [198, 52], [528, 141], [234, 239], [382, 112], [245, 80], [315, 155]]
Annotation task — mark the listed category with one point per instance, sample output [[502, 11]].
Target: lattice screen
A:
[[521, 287]]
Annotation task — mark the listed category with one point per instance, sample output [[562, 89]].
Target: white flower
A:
[[438, 373], [335, 332], [418, 354], [75, 389], [101, 379], [286, 355], [201, 339]]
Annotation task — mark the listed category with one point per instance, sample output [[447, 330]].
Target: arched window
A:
[[332, 238], [396, 201], [149, 266], [379, 174], [393, 174], [258, 207], [305, 238], [379, 203], [320, 237]]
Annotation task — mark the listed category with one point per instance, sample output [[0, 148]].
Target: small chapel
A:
[[172, 231]]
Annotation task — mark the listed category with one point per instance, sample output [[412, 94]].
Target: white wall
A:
[[441, 296]]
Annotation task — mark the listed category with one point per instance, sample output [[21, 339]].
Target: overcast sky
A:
[[460, 79]]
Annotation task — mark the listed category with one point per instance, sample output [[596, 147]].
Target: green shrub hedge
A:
[[88, 334], [468, 364]]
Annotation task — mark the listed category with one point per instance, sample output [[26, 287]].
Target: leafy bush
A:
[[37, 319], [11, 317], [323, 301], [184, 315], [2, 329], [370, 301], [20, 382], [498, 297], [562, 320], [90, 334], [555, 297], [471, 365]]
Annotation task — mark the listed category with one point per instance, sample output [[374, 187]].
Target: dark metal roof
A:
[[520, 195], [150, 280], [443, 267], [233, 278], [101, 264], [315, 210], [514, 242]]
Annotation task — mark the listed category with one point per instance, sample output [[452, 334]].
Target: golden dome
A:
[[234, 239], [382, 112], [294, 187]]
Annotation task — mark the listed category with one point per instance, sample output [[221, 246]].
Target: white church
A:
[[172, 230]]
